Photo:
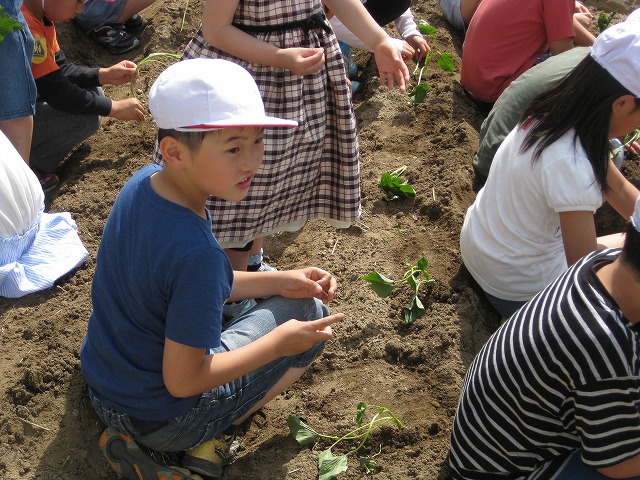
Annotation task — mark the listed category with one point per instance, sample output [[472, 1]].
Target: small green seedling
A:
[[394, 187], [152, 58], [415, 277], [7, 24], [604, 20], [184, 14], [445, 61], [330, 465]]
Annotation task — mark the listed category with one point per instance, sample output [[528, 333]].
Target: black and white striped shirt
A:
[[562, 374]]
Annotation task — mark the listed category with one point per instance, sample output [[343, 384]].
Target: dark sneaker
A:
[[114, 38], [48, 181], [209, 458], [135, 24], [135, 462]]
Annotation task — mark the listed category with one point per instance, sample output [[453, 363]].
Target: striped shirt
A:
[[562, 374]]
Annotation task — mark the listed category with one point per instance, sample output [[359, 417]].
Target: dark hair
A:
[[581, 101], [192, 140], [631, 249]]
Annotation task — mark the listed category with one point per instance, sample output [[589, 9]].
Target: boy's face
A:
[[226, 162], [62, 10]]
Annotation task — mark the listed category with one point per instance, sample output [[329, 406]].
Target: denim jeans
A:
[[18, 96], [56, 133], [574, 469], [219, 408]]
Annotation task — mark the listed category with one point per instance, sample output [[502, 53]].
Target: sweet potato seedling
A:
[[330, 465], [415, 277], [7, 24], [394, 187], [445, 61], [604, 20]]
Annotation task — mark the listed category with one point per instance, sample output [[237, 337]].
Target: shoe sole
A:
[[128, 461]]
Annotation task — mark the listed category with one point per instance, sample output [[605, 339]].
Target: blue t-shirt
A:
[[160, 273]]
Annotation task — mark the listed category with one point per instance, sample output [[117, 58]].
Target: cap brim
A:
[[265, 121]]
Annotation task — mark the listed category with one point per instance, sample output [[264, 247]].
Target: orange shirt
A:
[[45, 45]]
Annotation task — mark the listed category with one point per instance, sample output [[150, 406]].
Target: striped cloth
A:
[[36, 248], [311, 171], [563, 374]]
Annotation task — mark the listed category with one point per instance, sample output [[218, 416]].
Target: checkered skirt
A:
[[311, 171]]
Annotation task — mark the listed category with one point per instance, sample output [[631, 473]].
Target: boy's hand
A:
[[390, 65], [295, 337], [308, 282], [420, 45], [302, 61], [117, 74], [127, 109]]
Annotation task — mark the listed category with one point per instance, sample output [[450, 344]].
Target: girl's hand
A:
[[420, 45], [308, 282], [302, 61], [294, 336], [390, 65], [407, 51], [117, 74]]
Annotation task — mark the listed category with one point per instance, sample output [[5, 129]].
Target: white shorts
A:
[[451, 11]]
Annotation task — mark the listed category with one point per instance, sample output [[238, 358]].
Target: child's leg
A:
[[131, 7], [56, 133], [18, 131]]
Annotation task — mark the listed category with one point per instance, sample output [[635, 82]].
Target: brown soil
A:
[[47, 427]]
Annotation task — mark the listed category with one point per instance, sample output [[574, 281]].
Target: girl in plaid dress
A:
[[311, 171]]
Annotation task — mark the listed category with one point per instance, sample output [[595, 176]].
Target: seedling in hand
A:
[[445, 61], [330, 465], [394, 187]]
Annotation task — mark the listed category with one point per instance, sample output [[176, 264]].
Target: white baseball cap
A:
[[203, 94], [617, 49]]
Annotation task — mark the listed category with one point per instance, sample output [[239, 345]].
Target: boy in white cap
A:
[[163, 372]]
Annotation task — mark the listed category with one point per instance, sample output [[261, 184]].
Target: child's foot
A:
[[232, 310], [48, 181], [134, 462], [114, 38], [256, 263], [135, 24], [209, 458]]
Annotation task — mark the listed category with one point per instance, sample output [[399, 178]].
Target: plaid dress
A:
[[311, 171]]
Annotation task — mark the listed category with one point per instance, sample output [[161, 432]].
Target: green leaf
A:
[[426, 29], [394, 187], [303, 433], [445, 62], [413, 312], [369, 465], [604, 20], [330, 465], [419, 93], [380, 284], [8, 24]]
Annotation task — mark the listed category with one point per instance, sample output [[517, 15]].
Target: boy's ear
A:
[[172, 151]]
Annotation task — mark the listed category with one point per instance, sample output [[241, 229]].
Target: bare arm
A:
[[578, 235], [630, 468], [583, 36], [357, 19], [560, 46], [188, 371], [218, 31], [622, 193]]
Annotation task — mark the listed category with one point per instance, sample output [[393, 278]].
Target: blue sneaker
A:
[[349, 65], [355, 86]]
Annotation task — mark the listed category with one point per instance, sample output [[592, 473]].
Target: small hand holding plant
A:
[[445, 62], [330, 465]]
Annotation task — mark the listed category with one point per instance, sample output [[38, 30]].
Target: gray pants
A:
[[56, 133]]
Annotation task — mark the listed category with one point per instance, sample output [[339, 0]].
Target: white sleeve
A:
[[407, 25], [345, 35]]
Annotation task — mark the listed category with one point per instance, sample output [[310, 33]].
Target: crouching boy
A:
[[163, 372]]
